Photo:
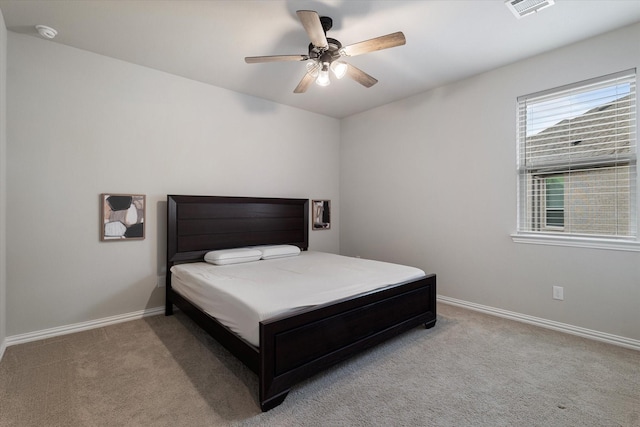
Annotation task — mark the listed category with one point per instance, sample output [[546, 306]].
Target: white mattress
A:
[[241, 295]]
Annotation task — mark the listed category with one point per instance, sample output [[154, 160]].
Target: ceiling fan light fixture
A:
[[339, 68], [323, 75]]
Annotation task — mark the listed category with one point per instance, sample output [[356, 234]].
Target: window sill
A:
[[577, 242]]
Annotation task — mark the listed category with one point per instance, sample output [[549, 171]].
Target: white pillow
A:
[[232, 256], [277, 251]]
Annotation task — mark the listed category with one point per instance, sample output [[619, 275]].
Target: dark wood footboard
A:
[[294, 348]]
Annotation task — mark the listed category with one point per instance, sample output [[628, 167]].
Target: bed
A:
[[295, 345]]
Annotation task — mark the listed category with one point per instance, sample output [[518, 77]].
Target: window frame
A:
[[556, 235]]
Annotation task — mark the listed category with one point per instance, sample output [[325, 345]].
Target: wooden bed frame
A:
[[295, 346]]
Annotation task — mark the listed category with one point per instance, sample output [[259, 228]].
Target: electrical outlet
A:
[[558, 293], [161, 281]]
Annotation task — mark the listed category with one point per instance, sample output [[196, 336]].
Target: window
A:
[[553, 202], [577, 160]]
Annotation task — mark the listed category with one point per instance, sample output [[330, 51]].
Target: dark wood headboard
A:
[[198, 224]]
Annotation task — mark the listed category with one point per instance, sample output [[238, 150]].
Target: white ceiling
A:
[[208, 40]]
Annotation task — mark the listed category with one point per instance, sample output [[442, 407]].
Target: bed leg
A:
[[274, 401], [430, 325]]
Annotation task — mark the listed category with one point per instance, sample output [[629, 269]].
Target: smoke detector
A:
[[46, 32], [522, 8]]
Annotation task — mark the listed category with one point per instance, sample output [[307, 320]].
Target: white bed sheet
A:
[[241, 295]]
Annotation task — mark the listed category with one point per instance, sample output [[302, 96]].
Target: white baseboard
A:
[[3, 347], [549, 324], [78, 327]]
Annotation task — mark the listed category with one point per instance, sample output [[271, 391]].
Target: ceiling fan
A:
[[326, 53]]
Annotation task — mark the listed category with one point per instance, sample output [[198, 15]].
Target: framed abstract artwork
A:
[[321, 214], [122, 216]]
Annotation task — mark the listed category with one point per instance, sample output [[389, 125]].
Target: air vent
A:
[[522, 8]]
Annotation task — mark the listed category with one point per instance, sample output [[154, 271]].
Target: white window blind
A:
[[577, 159]]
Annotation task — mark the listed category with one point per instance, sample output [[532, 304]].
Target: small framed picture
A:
[[321, 214], [122, 216]]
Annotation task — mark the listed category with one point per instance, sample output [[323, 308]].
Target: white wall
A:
[[3, 182], [81, 124], [431, 181]]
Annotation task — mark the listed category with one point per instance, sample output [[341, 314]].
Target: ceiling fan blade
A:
[[312, 25], [304, 84], [360, 76], [378, 43], [275, 58]]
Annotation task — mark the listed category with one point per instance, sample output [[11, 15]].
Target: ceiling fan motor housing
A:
[[333, 49]]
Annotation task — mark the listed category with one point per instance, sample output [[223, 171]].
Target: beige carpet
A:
[[470, 370]]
